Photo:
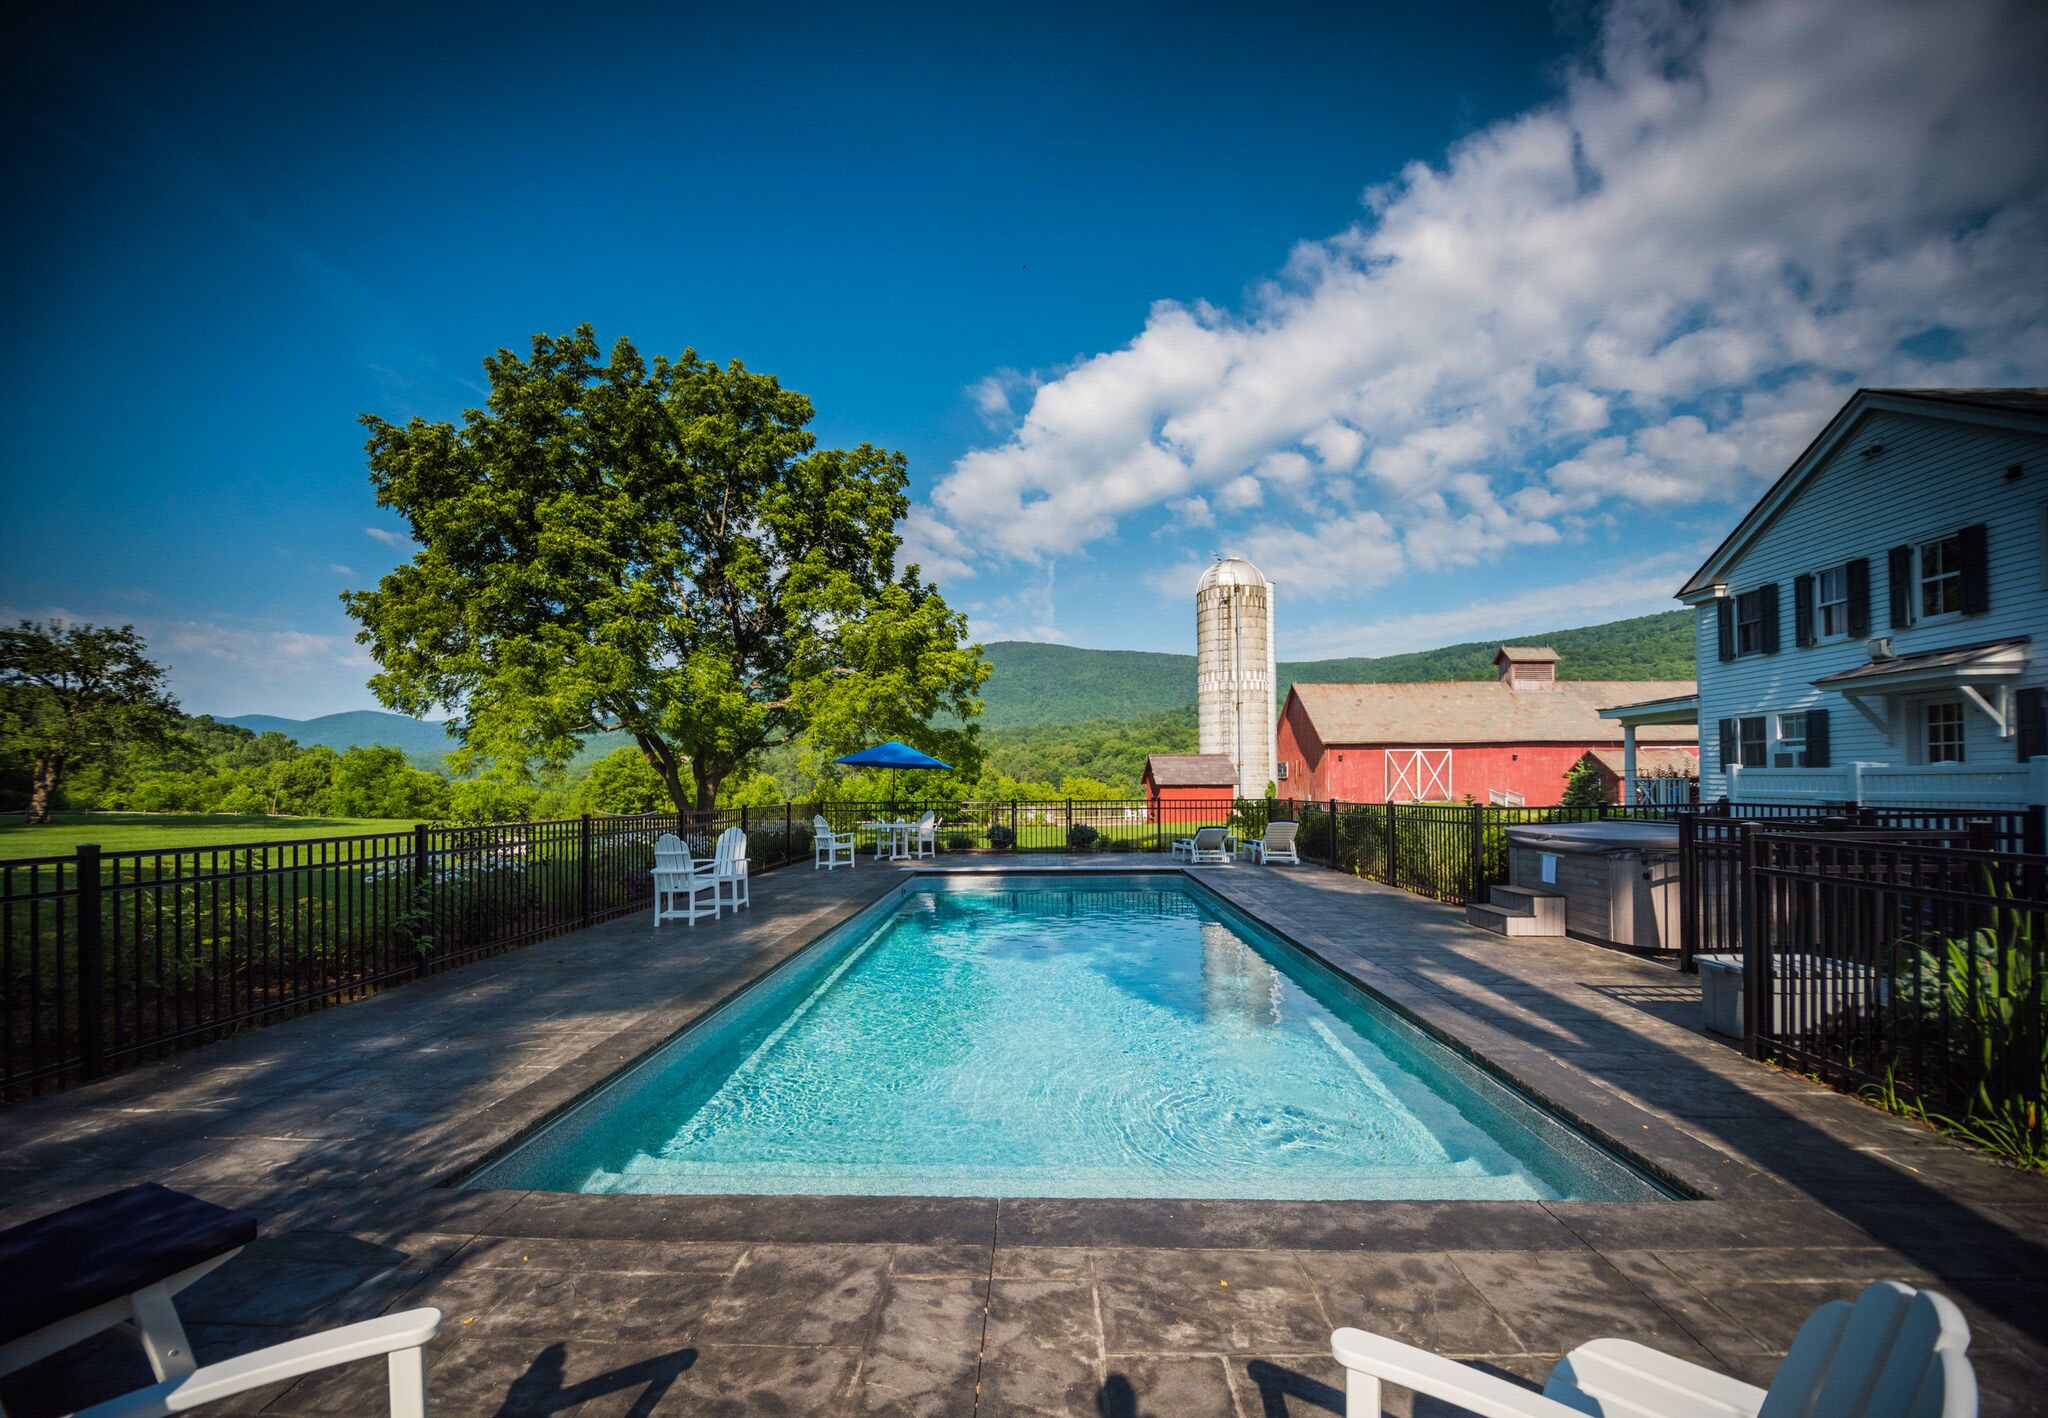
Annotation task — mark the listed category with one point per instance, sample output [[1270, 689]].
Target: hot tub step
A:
[[1547, 907], [1502, 921]]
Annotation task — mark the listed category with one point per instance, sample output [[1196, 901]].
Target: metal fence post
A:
[[1755, 968], [91, 964], [1476, 867], [1688, 895], [1393, 871], [1014, 843], [585, 872], [788, 840], [421, 892]]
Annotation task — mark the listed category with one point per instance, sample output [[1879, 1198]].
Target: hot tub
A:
[[1619, 879]]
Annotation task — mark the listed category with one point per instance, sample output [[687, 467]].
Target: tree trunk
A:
[[663, 760], [42, 797], [707, 788]]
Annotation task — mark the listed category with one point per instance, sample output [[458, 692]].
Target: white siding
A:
[[1934, 476]]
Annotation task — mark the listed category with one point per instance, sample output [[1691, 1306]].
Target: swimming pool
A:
[[1060, 1036]]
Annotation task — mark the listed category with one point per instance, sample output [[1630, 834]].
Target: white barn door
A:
[[1418, 774]]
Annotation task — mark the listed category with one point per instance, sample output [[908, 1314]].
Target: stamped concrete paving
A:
[[336, 1129]]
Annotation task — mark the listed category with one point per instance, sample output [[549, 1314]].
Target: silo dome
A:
[[1231, 571], [1234, 670]]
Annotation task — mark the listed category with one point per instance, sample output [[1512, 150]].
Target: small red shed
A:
[[1187, 781], [1507, 740]]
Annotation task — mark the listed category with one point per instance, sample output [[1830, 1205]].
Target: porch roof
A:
[[1958, 664], [1671, 709]]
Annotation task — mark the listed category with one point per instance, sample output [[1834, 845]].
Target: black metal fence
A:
[[1912, 970], [108, 957], [1710, 841]]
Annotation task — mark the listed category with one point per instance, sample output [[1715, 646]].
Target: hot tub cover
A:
[[1610, 835]]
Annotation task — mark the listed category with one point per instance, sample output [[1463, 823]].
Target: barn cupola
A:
[[1526, 667]]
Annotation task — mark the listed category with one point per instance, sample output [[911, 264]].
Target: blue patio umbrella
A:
[[892, 755]]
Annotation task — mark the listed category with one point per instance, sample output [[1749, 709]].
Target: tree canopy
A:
[[662, 549], [72, 695]]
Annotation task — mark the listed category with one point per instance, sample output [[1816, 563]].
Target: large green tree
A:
[[76, 694], [660, 548]]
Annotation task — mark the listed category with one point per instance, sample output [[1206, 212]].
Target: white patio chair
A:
[[829, 847], [924, 838], [1893, 1353], [401, 1338], [677, 878], [1276, 846], [729, 870], [1206, 848]]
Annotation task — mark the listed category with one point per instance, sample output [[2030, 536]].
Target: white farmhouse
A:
[[1875, 630]]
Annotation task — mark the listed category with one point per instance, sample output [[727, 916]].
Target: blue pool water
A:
[[1060, 1036]]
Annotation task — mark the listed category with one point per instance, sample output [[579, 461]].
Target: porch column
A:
[[1628, 761]]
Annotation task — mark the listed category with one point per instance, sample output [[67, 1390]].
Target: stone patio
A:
[[341, 1129]]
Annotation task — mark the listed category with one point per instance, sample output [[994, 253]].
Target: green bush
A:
[[1080, 837], [1001, 838], [959, 841]]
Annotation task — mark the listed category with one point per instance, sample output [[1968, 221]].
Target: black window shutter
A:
[[1730, 746], [1817, 738], [1899, 572], [1724, 627], [1859, 598], [1768, 596], [2033, 712], [1802, 610], [1976, 547]]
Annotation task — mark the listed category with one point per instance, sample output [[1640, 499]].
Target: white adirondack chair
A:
[[1893, 1353], [924, 838], [829, 848], [1205, 848], [678, 884], [401, 1338], [1276, 846], [729, 870]]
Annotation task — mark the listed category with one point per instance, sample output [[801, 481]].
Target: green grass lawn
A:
[[129, 831]]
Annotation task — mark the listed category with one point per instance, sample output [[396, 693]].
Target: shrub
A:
[[1001, 838], [959, 841], [1080, 837], [768, 844]]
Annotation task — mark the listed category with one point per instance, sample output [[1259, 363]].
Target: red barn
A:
[[1510, 740], [1188, 778]]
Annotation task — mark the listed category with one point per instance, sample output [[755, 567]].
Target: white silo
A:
[[1234, 669]]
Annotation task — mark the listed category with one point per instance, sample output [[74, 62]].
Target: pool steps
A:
[[1517, 911]]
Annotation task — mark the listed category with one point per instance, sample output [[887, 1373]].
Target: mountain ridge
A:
[[1035, 684]]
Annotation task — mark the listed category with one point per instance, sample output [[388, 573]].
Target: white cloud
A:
[[1192, 512], [390, 538], [335, 568], [1648, 293]]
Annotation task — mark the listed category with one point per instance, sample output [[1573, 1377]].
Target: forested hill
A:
[[1060, 684], [417, 738]]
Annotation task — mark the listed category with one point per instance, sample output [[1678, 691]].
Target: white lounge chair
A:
[[828, 847], [401, 1338], [729, 870], [1208, 847], [924, 838], [1276, 846], [1895, 1352], [677, 878]]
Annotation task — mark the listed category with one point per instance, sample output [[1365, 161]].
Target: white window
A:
[[1790, 751], [1750, 742], [1941, 577], [1942, 729], [1832, 612]]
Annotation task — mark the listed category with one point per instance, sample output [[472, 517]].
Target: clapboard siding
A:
[[1934, 475]]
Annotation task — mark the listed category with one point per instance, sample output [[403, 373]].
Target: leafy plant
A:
[[959, 841], [1080, 837], [1001, 838]]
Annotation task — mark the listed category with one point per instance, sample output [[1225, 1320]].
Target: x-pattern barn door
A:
[[1418, 774]]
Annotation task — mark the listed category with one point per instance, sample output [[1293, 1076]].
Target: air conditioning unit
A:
[[1881, 648]]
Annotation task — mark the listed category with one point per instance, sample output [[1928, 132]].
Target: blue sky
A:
[[1461, 320]]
